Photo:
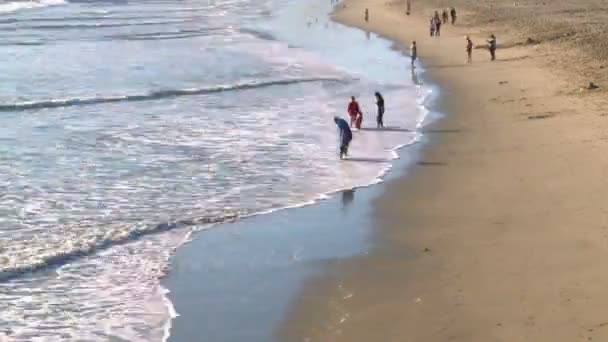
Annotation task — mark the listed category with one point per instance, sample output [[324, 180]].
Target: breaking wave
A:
[[85, 249], [155, 95], [9, 7]]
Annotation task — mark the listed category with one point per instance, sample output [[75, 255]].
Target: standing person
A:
[[346, 135], [445, 16], [380, 104], [366, 15], [453, 15], [492, 46], [437, 21], [413, 53], [432, 26], [353, 110], [469, 48]]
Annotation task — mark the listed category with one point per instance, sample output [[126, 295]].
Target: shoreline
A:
[[193, 259], [499, 232]]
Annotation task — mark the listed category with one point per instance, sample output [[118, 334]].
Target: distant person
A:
[[437, 22], [445, 16], [380, 105], [413, 52], [346, 135], [469, 49], [432, 26], [408, 7], [492, 46], [354, 111], [453, 15], [366, 15]]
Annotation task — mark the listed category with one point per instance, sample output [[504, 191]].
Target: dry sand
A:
[[500, 233]]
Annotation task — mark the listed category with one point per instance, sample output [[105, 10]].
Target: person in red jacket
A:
[[356, 117]]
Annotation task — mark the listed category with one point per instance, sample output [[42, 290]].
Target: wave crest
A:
[[9, 7], [85, 249], [155, 95]]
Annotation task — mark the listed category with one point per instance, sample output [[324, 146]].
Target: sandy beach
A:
[[500, 232]]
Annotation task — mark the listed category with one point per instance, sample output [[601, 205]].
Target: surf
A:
[[14, 6], [159, 94]]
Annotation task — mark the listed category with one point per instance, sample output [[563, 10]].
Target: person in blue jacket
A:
[[345, 136]]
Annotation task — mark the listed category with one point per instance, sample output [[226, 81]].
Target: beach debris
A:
[[531, 41], [418, 300], [539, 116], [592, 86], [426, 249], [503, 82]]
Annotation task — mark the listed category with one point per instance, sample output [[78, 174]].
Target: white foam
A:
[[9, 7]]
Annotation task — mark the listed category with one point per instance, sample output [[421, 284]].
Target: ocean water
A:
[[127, 125]]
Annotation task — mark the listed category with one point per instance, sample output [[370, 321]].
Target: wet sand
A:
[[500, 232], [234, 281]]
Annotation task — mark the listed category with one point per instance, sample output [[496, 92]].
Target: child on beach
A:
[[413, 52], [469, 49]]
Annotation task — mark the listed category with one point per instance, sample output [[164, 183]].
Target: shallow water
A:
[[126, 125]]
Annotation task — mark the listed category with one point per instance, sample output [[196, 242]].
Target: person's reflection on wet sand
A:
[[415, 77], [347, 197], [367, 34]]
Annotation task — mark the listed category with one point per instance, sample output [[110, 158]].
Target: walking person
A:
[[445, 16], [469, 49], [432, 26], [380, 105], [492, 46], [453, 15], [366, 15], [413, 53], [437, 21]]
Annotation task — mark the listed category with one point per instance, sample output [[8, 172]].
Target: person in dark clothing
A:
[[380, 104], [445, 16], [346, 135], [453, 15], [492, 46], [366, 15]]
